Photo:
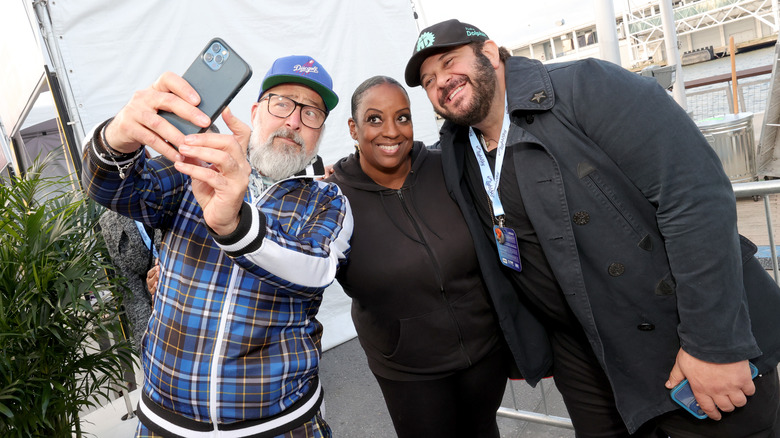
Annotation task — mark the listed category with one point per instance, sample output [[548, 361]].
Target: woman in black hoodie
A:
[[420, 306]]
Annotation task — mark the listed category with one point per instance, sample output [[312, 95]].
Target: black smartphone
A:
[[683, 396], [217, 74]]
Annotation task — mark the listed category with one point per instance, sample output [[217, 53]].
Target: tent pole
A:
[[673, 52], [44, 19], [422, 21], [609, 47], [4, 144]]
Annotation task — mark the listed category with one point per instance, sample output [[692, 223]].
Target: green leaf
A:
[[50, 258], [6, 411]]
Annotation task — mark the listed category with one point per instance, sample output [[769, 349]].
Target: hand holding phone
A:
[[217, 75], [683, 396]]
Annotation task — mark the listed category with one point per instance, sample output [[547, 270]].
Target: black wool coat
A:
[[638, 221]]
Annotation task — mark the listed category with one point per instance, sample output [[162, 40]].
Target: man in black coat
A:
[[612, 218]]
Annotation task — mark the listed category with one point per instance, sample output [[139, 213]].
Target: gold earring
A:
[[357, 147]]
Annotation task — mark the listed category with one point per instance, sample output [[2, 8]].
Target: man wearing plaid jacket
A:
[[233, 346]]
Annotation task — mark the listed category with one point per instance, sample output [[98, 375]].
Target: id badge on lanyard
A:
[[506, 239]]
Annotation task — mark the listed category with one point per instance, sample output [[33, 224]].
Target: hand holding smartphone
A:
[[683, 396], [217, 75]]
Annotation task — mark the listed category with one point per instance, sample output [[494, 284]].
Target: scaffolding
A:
[[711, 20]]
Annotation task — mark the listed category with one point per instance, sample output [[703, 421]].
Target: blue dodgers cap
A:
[[304, 70]]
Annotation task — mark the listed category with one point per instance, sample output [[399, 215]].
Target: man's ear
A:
[[490, 49], [254, 108]]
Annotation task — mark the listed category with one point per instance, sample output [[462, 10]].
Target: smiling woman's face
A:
[[383, 129]]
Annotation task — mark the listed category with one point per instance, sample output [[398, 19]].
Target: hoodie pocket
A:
[[428, 342]]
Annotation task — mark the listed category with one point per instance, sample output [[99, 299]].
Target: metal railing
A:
[[712, 96], [762, 189], [717, 99], [543, 417]]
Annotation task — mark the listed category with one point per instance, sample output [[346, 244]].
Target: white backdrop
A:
[[21, 68], [112, 48]]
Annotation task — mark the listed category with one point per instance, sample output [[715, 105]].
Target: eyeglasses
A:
[[283, 107]]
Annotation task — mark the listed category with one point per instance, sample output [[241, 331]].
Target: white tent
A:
[[102, 51], [108, 50]]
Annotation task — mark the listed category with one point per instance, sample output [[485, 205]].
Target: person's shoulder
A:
[[326, 187], [584, 66], [426, 156], [295, 194], [568, 65], [433, 152]]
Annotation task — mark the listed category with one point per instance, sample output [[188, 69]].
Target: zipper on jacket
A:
[[437, 270], [213, 375]]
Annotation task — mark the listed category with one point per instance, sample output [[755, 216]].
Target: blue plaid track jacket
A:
[[233, 337]]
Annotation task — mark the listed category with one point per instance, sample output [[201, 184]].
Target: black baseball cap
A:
[[436, 39]]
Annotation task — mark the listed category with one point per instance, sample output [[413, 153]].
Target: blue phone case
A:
[[683, 396]]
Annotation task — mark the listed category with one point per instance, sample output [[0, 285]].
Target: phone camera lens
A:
[[216, 47], [208, 57], [219, 59]]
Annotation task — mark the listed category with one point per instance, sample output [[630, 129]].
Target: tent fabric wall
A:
[[41, 139], [22, 63], [111, 49]]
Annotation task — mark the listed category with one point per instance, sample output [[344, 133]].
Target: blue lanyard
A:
[[490, 181]]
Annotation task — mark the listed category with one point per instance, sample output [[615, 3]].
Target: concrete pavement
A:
[[354, 406]]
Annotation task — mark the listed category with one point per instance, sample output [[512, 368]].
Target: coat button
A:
[[646, 327], [581, 218], [616, 269]]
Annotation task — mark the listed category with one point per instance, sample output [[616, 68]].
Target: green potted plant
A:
[[52, 311]]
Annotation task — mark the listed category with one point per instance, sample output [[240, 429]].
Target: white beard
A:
[[280, 161]]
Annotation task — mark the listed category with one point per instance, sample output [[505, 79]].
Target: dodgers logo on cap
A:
[[303, 70]]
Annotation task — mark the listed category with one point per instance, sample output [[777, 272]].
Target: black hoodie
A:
[[419, 305]]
